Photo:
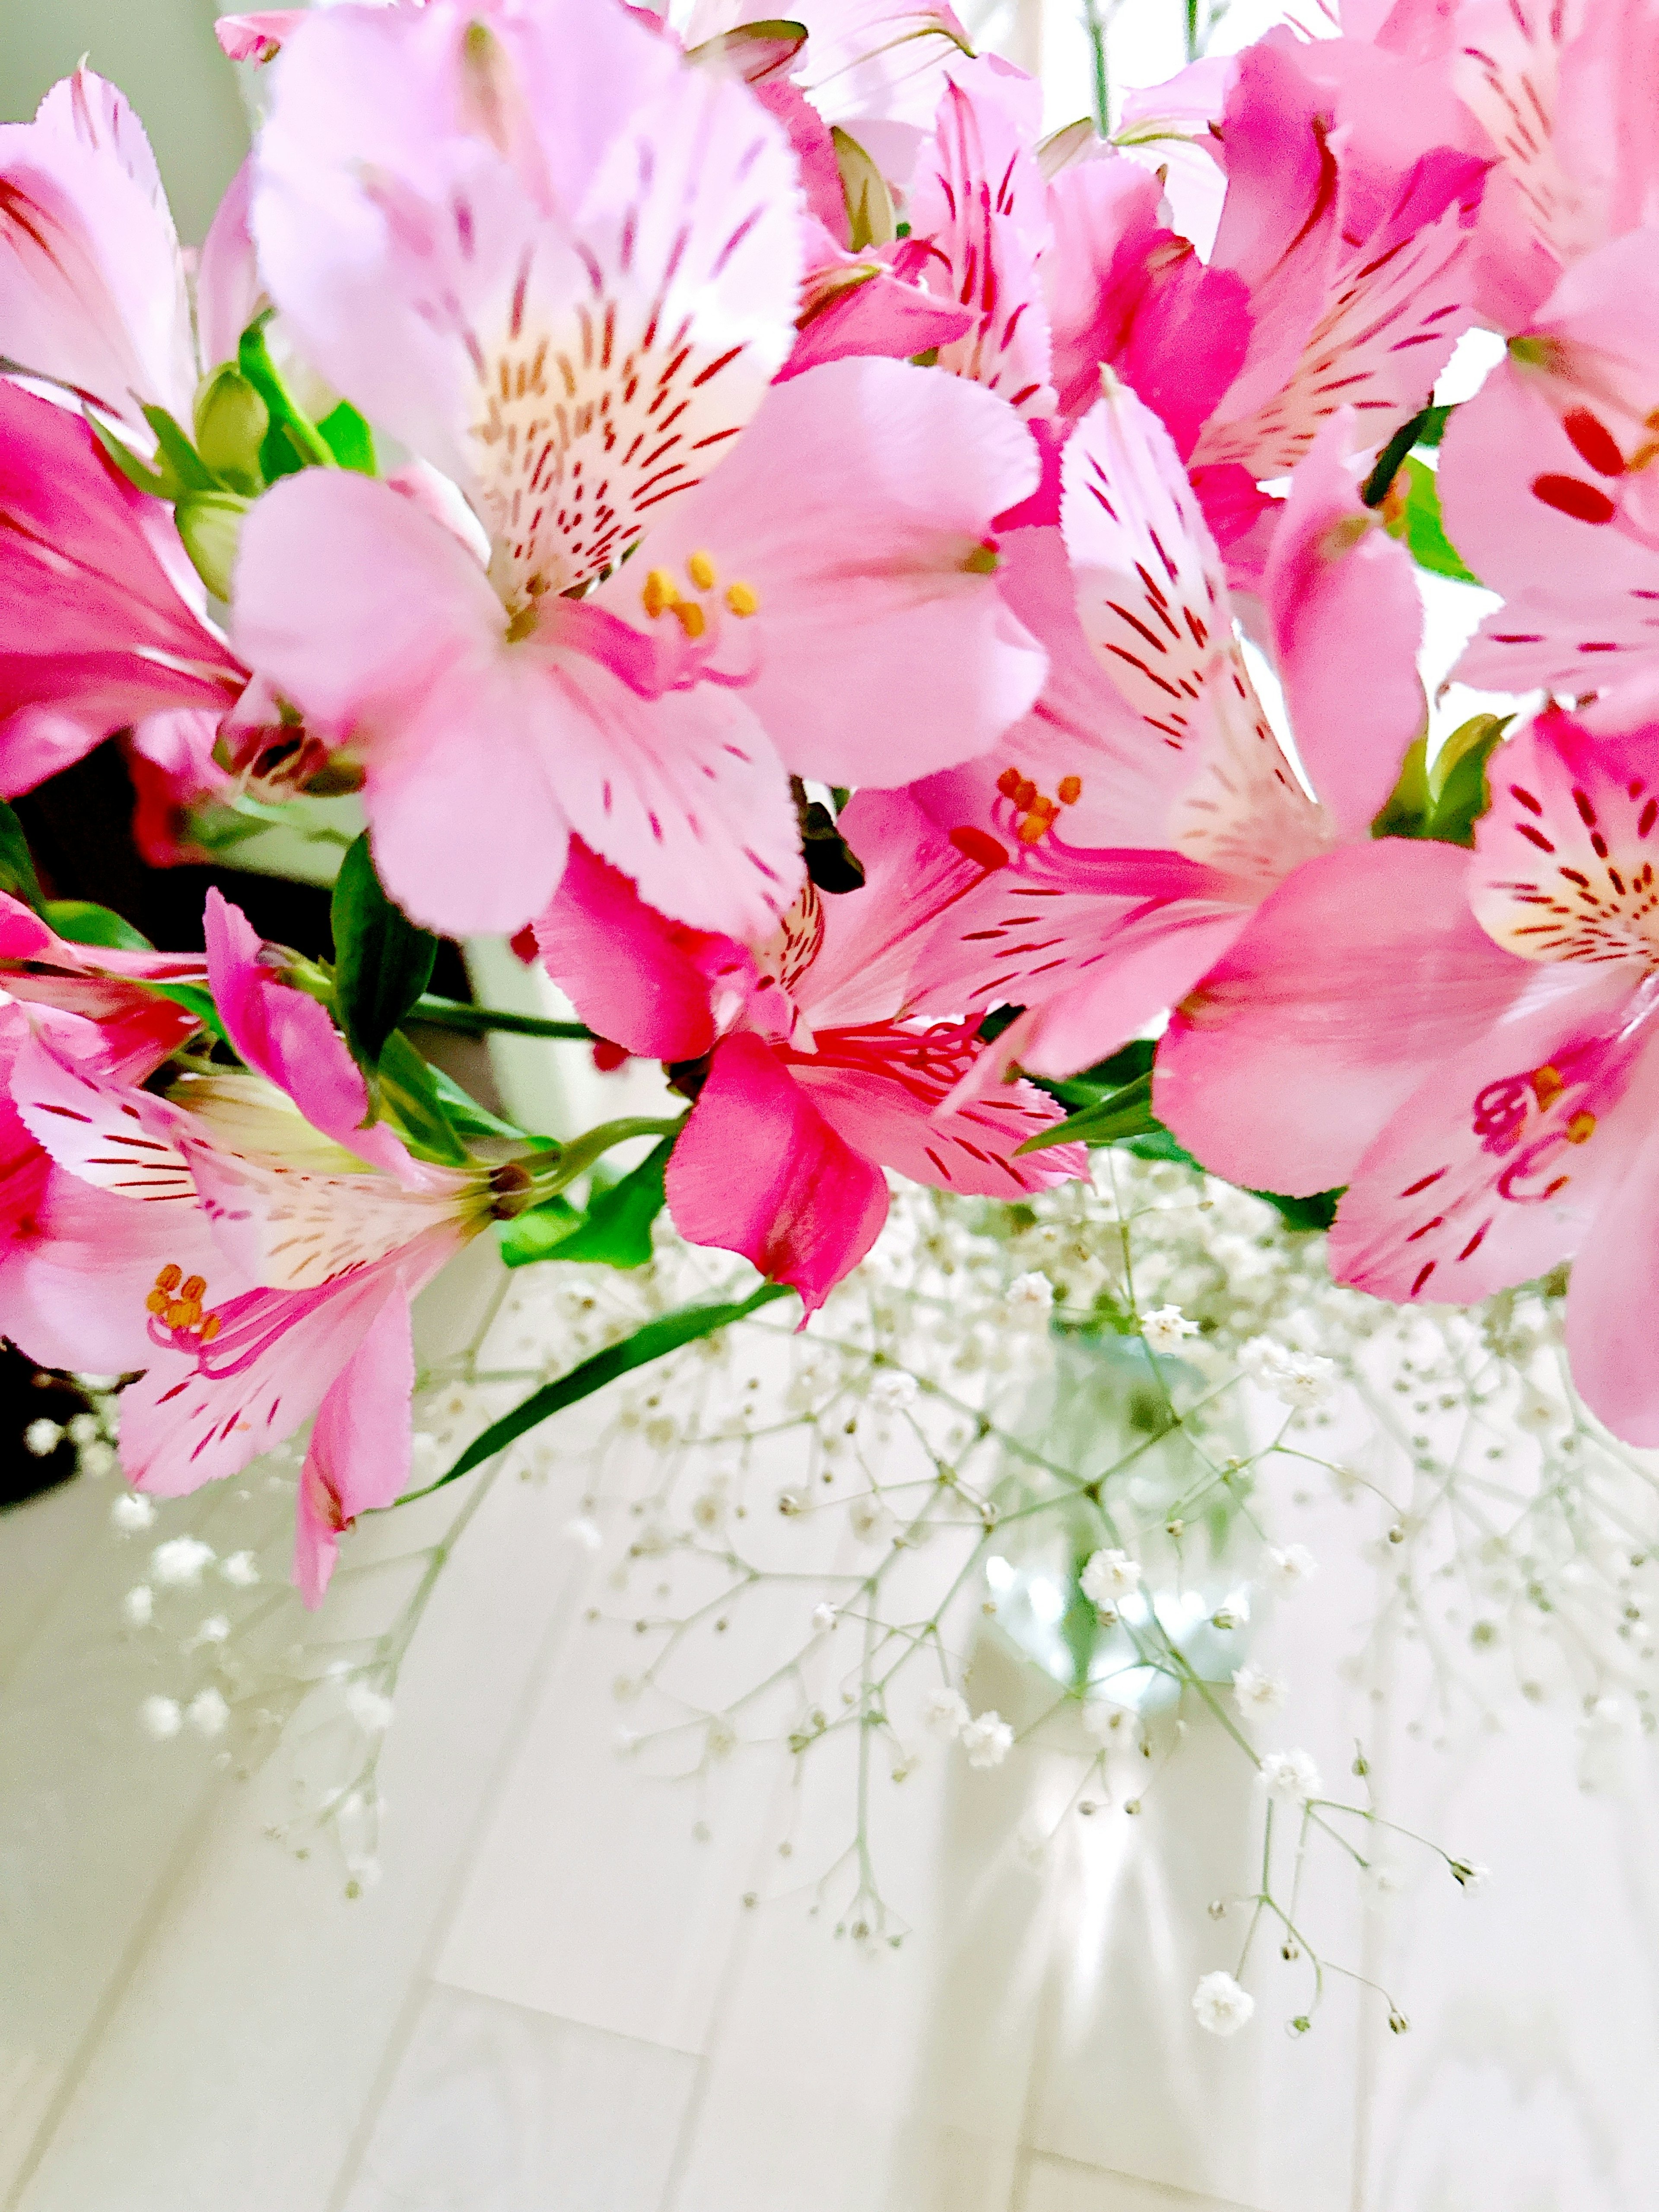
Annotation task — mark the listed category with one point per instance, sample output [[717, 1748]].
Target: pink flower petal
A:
[[360, 1452], [757, 1171]]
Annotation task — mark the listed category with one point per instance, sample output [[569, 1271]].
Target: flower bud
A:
[[231, 421]]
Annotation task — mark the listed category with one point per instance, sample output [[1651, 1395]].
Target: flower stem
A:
[[455, 1014]]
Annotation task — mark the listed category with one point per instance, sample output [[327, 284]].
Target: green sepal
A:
[[83, 923], [348, 438], [405, 1091], [179, 459], [292, 442], [210, 529], [467, 1118], [614, 1232], [382, 961], [1421, 529], [1426, 428], [17, 874], [232, 420], [1111, 1119], [744, 42], [1443, 802], [654, 1341], [1405, 809], [138, 474], [1310, 1215]]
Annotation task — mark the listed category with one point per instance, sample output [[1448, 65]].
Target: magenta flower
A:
[[269, 1249], [814, 1081], [1134, 821], [562, 265], [1466, 1041]]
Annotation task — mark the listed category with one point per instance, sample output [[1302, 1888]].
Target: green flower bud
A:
[[211, 525], [231, 421]]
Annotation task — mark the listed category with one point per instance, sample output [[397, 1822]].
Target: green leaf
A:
[[405, 1091], [1316, 1212], [465, 1115], [537, 1236], [1406, 809], [83, 923], [17, 873], [179, 457], [382, 961], [1424, 532], [1134, 1059], [654, 1341], [1457, 782], [141, 478], [1159, 1142], [614, 1232], [292, 442], [348, 438], [1120, 1113]]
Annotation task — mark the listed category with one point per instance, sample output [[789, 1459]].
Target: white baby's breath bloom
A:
[[42, 1437], [98, 1459], [85, 1428], [1031, 1299], [720, 1738], [869, 1519], [824, 1618], [208, 1713], [368, 1707], [1290, 1568], [160, 1718], [240, 1568], [584, 1533], [1255, 1691], [1164, 1329], [1222, 2007], [1298, 1379], [1290, 1775], [1110, 1575], [988, 1740], [139, 1605], [179, 1562], [1469, 1874], [131, 1512], [215, 1629], [946, 1712], [894, 1389]]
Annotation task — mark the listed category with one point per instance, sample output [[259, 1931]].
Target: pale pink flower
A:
[[812, 1083], [562, 265], [1465, 1041]]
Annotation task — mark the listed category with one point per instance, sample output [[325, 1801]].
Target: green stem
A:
[[454, 1014], [1094, 25]]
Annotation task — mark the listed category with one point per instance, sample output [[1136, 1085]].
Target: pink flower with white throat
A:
[[562, 265]]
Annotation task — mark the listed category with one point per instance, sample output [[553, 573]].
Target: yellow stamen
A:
[[743, 599], [210, 1329], [1031, 829], [181, 1313], [1547, 1086], [192, 1287], [692, 617], [169, 1278], [700, 569], [156, 1302], [661, 592], [1069, 790], [982, 561], [1581, 1128]]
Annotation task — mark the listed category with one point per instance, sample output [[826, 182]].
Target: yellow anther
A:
[[701, 570], [1069, 790], [209, 1329], [661, 592], [743, 599], [1031, 829], [1547, 1086], [156, 1302], [1581, 1128], [169, 1278], [982, 561], [181, 1313], [692, 617], [192, 1287]]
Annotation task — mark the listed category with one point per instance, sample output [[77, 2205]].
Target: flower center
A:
[[178, 1319], [1035, 812], [662, 595]]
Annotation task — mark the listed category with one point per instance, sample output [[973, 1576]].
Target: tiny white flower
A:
[[1291, 1567], [1255, 1691], [1108, 1577], [139, 1605], [1297, 1379], [1222, 2007], [708, 1510], [215, 1629], [946, 1712], [98, 1459], [1469, 1874], [721, 1737], [824, 1618], [131, 1512], [988, 1740], [42, 1437], [241, 1569], [1030, 1300], [869, 1518], [180, 1561], [84, 1430], [369, 1708], [1164, 1329], [160, 1718], [893, 1389], [584, 1533], [1290, 1775], [1384, 1880], [208, 1713], [1609, 1720]]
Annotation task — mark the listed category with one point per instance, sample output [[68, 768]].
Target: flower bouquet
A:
[[914, 623]]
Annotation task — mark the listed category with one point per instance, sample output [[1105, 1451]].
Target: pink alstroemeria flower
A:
[[1467, 1042], [814, 1081], [1138, 816], [60, 1241], [1547, 489], [561, 263], [271, 1249], [102, 619]]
